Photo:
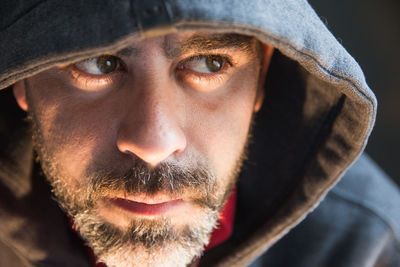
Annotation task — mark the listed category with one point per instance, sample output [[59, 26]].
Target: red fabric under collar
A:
[[225, 222], [219, 235]]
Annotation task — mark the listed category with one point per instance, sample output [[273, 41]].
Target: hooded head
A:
[[133, 141], [141, 115]]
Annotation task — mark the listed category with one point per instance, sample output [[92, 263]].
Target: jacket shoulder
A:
[[366, 185], [357, 224]]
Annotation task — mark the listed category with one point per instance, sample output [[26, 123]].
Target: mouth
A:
[[146, 207]]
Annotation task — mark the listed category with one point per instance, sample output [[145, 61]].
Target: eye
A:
[[101, 65], [97, 74], [206, 72], [206, 64]]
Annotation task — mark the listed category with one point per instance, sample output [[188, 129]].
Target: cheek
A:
[[73, 131], [220, 127]]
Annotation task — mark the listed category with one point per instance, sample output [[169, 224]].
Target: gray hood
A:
[[315, 121]]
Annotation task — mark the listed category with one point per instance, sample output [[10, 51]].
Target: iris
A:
[[107, 63]]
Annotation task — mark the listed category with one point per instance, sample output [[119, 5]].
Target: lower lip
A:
[[145, 209]]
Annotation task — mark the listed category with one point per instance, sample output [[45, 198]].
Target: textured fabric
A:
[[351, 227], [317, 116]]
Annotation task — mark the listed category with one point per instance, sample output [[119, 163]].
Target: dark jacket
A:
[[314, 124]]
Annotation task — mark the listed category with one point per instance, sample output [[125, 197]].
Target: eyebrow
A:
[[128, 51], [173, 49], [209, 42]]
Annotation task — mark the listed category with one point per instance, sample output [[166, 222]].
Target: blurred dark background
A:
[[370, 31]]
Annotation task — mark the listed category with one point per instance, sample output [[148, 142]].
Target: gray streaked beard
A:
[[147, 242], [150, 236]]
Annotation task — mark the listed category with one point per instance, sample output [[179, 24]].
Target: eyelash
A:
[[226, 61]]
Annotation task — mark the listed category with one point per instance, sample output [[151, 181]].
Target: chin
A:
[[173, 255], [146, 242]]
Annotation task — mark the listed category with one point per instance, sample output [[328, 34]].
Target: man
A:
[[141, 115]]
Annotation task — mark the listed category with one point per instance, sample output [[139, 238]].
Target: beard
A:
[[146, 242]]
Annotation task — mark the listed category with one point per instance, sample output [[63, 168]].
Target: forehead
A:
[[173, 45]]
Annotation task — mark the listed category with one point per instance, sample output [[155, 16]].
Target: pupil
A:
[[214, 63], [107, 64]]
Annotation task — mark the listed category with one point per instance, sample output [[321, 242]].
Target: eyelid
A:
[[89, 81], [227, 58], [183, 63], [94, 60]]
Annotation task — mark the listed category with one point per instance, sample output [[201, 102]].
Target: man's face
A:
[[143, 146]]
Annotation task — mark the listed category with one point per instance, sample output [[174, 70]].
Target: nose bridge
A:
[[154, 114], [151, 129]]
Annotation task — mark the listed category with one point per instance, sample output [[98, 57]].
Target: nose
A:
[[152, 129]]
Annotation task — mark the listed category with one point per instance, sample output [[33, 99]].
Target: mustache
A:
[[197, 183]]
